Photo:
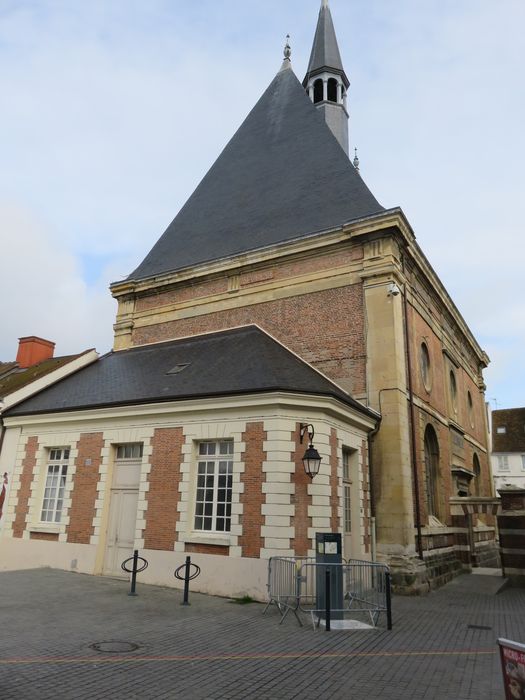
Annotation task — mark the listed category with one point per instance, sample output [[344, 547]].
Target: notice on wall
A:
[[513, 667]]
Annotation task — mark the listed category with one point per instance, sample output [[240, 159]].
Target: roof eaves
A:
[[241, 257], [212, 395]]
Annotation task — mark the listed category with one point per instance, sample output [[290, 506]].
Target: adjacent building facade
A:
[[34, 368], [283, 252], [508, 447]]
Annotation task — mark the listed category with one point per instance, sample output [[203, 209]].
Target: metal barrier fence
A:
[[292, 585], [284, 584]]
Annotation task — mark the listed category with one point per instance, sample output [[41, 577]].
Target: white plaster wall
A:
[[232, 576], [7, 466], [18, 554], [514, 475]]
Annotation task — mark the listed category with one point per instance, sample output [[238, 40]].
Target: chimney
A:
[[32, 350]]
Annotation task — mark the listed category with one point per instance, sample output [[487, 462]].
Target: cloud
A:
[[42, 291], [113, 111]]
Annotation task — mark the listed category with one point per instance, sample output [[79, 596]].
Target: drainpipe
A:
[[413, 444], [370, 437]]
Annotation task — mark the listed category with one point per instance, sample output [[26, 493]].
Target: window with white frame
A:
[[55, 485], [213, 503], [523, 462], [130, 450], [347, 491], [503, 463]]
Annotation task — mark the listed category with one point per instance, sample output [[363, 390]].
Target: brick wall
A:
[[163, 495], [283, 270], [46, 536], [217, 549], [471, 422], [84, 488], [336, 346], [24, 490], [181, 294], [301, 521], [252, 497]]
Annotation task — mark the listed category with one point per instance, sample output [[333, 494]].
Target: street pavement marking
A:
[[239, 657]]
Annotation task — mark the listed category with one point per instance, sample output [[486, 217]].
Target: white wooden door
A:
[[122, 516], [121, 530]]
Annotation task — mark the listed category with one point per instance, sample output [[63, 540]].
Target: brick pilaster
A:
[[163, 496], [84, 488], [252, 497], [301, 543]]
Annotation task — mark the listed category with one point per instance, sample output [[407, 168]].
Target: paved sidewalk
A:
[[442, 646]]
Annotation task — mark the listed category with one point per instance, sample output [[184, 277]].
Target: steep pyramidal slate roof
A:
[[283, 175], [325, 50], [239, 361]]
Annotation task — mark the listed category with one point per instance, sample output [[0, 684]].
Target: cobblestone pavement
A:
[[442, 646]]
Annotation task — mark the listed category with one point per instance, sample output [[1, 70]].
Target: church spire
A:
[[326, 81]]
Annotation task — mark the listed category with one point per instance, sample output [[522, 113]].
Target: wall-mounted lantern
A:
[[311, 459]]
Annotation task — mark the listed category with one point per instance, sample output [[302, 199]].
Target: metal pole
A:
[[327, 599], [388, 600], [186, 581], [134, 572]]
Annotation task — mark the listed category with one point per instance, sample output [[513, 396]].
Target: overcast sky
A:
[[111, 111]]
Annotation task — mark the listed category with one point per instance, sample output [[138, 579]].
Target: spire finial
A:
[[356, 160], [287, 63], [287, 48], [324, 3]]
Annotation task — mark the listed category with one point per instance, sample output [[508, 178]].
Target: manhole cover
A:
[[479, 627], [114, 647]]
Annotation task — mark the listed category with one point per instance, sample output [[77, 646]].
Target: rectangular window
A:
[[503, 463], [501, 430], [213, 503], [347, 491], [131, 450], [523, 462], [55, 485]]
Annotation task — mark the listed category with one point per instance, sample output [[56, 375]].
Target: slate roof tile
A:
[[238, 361], [282, 176]]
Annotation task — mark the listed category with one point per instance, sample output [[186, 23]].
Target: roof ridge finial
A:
[[356, 160], [287, 63], [287, 48]]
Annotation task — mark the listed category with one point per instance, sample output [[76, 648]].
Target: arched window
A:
[[332, 90], [453, 391], [432, 469], [318, 91], [476, 468], [424, 359], [470, 408]]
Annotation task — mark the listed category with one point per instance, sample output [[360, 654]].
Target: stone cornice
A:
[[304, 244], [393, 219], [271, 402]]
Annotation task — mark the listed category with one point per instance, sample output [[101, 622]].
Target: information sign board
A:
[[513, 667]]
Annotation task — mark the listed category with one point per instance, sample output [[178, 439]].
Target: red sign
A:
[[513, 667]]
